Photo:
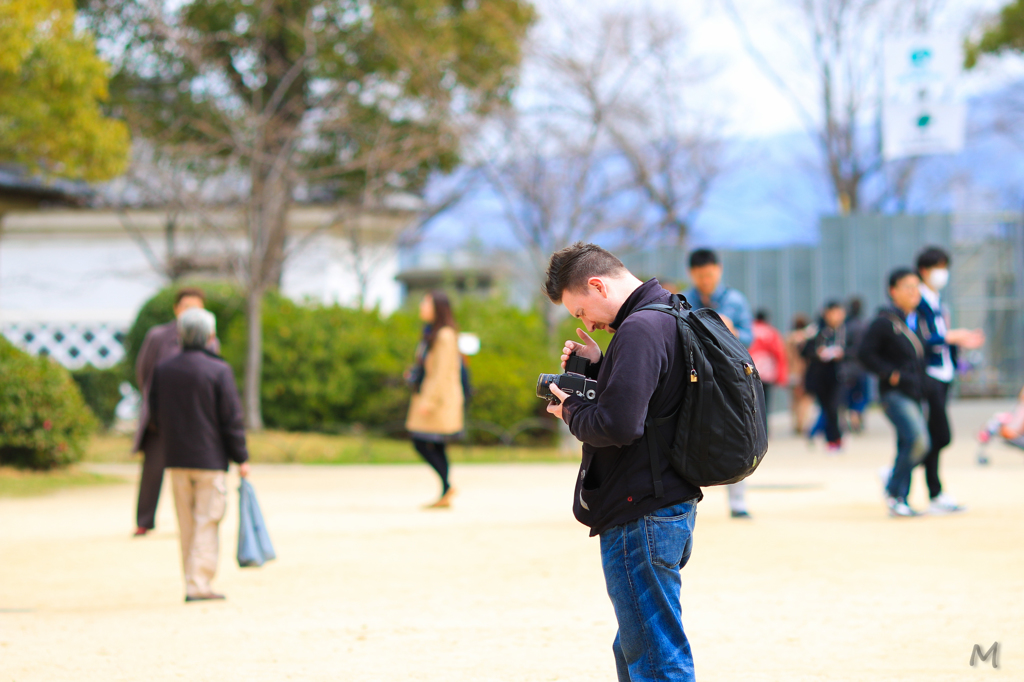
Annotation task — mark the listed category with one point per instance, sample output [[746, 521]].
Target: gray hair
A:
[[195, 327]]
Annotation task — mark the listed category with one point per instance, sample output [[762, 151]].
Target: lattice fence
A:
[[72, 344]]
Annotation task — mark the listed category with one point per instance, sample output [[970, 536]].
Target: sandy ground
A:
[[821, 585]]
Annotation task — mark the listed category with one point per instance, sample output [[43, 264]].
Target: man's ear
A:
[[598, 285]]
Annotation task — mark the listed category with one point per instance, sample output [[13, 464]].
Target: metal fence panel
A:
[[854, 257]]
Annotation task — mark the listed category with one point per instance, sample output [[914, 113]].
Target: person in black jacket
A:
[[893, 349], [825, 353], [645, 539], [941, 347], [195, 409]]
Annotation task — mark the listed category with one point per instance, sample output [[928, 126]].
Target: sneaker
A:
[[900, 508], [835, 448], [944, 504], [740, 514]]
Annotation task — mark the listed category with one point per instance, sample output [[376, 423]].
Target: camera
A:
[[573, 381]]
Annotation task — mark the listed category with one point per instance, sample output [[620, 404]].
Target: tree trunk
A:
[[254, 359], [267, 218]]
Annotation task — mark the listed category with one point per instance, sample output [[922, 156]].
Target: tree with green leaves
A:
[[348, 100], [1004, 34], [53, 87]]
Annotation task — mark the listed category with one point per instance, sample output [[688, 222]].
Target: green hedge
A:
[[101, 389], [44, 422], [222, 299], [327, 368]]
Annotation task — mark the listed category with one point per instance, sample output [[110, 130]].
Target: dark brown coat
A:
[[196, 412], [161, 343]]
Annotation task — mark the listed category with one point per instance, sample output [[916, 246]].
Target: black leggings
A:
[[828, 395], [434, 454], [936, 393]]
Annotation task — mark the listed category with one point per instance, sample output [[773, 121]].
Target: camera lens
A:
[[544, 381]]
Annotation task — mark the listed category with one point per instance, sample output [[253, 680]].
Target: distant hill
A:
[[771, 194]]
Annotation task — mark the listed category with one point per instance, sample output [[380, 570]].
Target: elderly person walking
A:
[[196, 412], [436, 411]]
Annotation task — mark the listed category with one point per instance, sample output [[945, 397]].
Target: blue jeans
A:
[[642, 560], [912, 441]]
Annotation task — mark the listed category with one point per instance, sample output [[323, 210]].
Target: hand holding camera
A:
[[573, 381]]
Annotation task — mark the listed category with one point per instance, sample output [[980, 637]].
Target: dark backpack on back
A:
[[721, 429]]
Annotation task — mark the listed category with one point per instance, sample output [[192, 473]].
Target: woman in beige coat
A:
[[436, 411]]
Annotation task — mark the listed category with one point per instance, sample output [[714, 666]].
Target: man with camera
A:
[[646, 538]]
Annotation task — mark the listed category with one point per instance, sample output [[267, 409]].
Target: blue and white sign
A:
[[922, 113]]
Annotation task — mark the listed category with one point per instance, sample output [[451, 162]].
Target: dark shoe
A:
[[740, 515], [140, 531], [206, 597]]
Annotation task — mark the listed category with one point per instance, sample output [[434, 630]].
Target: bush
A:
[[44, 422], [514, 350], [326, 367], [223, 299], [101, 389]]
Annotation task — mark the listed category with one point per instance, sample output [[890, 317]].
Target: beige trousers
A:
[[200, 497]]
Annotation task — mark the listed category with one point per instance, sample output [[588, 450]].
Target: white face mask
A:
[[938, 279]]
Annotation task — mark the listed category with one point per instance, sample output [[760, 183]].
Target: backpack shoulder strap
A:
[[677, 303], [652, 436], [901, 328]]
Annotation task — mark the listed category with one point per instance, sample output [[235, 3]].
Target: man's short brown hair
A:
[[185, 292], [570, 268]]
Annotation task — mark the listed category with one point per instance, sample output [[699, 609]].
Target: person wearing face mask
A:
[[941, 345]]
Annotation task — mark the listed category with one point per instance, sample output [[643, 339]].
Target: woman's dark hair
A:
[[931, 257], [443, 316], [761, 315], [800, 321], [898, 275]]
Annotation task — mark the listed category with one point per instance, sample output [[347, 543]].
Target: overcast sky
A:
[[749, 104]]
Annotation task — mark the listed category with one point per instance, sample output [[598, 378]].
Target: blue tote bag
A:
[[254, 546]]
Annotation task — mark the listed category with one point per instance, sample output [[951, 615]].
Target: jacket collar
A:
[[648, 292], [204, 351]]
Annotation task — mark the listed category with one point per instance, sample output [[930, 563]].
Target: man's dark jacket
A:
[[194, 407], [889, 346], [161, 343], [643, 371]]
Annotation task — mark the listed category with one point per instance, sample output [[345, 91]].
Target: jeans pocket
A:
[[670, 538]]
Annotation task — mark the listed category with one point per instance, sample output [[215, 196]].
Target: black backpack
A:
[[721, 429]]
